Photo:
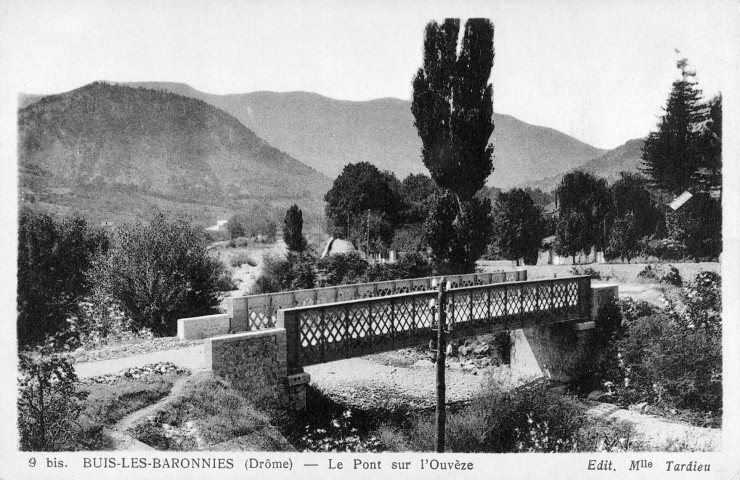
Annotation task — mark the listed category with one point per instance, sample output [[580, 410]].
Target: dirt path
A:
[[191, 358], [660, 432], [134, 417], [117, 435]]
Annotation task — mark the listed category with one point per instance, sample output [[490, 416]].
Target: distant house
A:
[[337, 246], [219, 227]]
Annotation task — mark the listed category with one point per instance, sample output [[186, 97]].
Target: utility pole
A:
[[441, 346]]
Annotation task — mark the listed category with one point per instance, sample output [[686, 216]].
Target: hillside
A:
[[101, 139], [326, 134], [625, 158]]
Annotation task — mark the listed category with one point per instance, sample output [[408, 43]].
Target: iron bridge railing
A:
[[258, 312], [322, 333]]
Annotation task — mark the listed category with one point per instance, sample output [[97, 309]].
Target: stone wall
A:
[[195, 328], [249, 360], [257, 360], [551, 351]]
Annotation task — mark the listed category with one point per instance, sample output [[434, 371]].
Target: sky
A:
[[599, 71]]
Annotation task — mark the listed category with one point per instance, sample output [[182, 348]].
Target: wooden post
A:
[[442, 307]]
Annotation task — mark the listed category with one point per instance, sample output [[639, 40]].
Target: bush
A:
[[292, 272], [595, 274], [240, 259], [341, 269], [528, 419], [101, 322], [664, 248], [53, 258], [226, 283], [670, 358], [159, 272], [411, 265], [48, 401], [648, 273], [672, 277]]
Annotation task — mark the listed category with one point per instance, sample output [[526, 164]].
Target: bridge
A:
[[273, 337]]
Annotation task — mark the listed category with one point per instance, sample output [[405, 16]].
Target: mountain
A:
[[103, 138], [327, 134], [625, 158]]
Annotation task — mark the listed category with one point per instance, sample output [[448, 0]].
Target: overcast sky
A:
[[599, 71]]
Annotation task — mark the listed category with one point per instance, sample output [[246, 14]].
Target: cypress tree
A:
[[293, 230], [672, 154]]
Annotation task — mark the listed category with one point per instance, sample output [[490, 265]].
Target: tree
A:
[[698, 225], [359, 193], [583, 200], [159, 272], [518, 226], [457, 239], [630, 196], [453, 114], [53, 258], [709, 176], [570, 234], [622, 238], [672, 154], [48, 401], [235, 226], [293, 230], [452, 105]]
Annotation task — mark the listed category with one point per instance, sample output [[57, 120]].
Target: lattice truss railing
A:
[[347, 329], [260, 311]]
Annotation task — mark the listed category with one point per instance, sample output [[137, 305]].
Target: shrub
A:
[[669, 358], [159, 272], [411, 265], [53, 258], [292, 272], [240, 259], [595, 274], [48, 401], [528, 419], [648, 273], [703, 302], [664, 248], [101, 321], [226, 283], [238, 242], [672, 277], [341, 269]]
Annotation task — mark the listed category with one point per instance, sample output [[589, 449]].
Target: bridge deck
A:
[[322, 333]]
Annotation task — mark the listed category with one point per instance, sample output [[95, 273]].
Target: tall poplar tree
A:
[[453, 112], [453, 107], [673, 153], [293, 230]]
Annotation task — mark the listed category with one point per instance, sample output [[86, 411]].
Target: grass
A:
[[108, 403], [208, 412], [239, 259], [529, 419]]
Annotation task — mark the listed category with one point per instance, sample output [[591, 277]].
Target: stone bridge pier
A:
[[551, 351]]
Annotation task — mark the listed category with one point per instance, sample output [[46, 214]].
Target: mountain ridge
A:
[[326, 134], [149, 142]]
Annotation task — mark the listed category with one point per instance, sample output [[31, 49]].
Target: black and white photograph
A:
[[324, 239]]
